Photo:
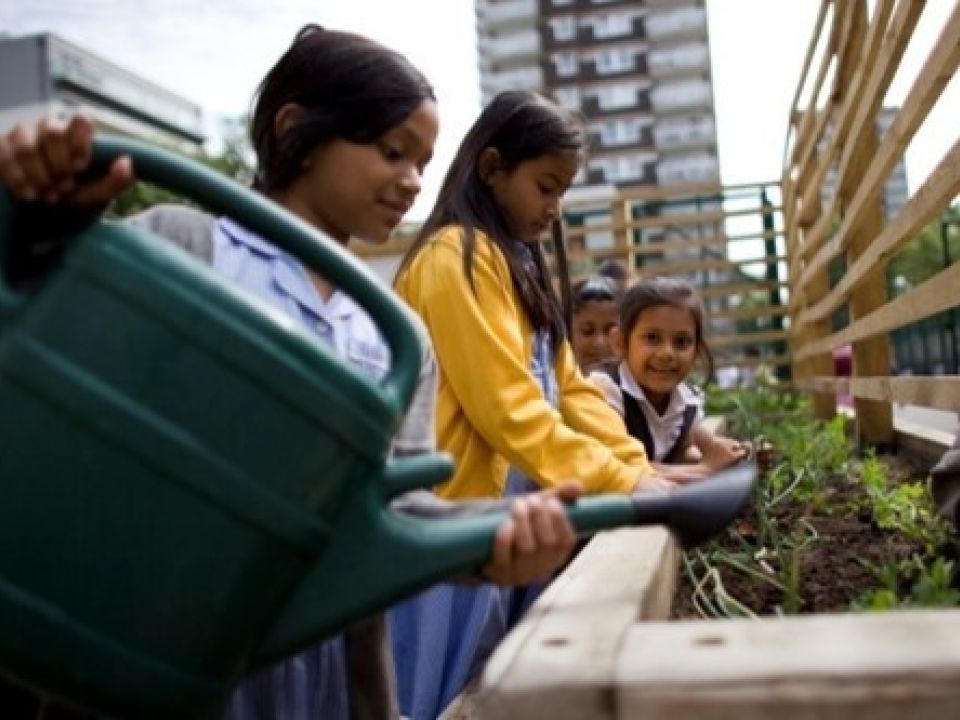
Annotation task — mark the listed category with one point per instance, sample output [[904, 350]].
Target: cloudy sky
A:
[[215, 52]]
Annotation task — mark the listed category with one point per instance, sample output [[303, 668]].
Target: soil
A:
[[831, 570]]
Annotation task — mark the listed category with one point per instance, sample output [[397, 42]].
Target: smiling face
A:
[[529, 194], [660, 350], [363, 190]]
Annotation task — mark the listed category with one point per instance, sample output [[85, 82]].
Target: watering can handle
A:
[[318, 252], [221, 195]]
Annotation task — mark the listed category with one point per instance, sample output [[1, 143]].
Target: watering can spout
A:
[[391, 556]]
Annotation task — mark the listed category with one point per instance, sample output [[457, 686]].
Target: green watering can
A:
[[191, 488]]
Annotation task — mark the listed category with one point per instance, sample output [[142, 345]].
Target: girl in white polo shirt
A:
[[658, 340]]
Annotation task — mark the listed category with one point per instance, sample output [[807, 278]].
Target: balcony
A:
[[643, 141], [510, 47], [507, 13], [589, 70], [592, 108]]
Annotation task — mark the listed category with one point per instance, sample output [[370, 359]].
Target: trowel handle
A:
[[317, 251]]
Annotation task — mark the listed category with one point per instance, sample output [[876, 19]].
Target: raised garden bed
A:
[[829, 529]]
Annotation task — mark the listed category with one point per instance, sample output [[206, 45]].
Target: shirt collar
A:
[[290, 275], [680, 398]]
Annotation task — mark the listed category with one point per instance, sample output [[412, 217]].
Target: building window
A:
[[564, 27], [612, 25], [682, 57], [617, 96], [690, 93], [694, 129], [619, 132], [568, 97], [614, 60], [560, 3], [660, 24], [565, 64]]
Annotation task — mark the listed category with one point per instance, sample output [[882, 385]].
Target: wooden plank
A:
[[750, 313], [807, 63], [939, 293], [871, 355], [941, 392], [926, 204], [806, 137], [938, 69], [747, 361], [653, 192], [886, 666], [561, 661], [882, 74], [762, 336], [677, 266], [733, 289]]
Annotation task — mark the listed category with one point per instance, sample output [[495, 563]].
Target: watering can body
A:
[[190, 487], [174, 458]]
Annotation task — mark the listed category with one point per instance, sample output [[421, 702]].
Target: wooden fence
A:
[[835, 167], [726, 240]]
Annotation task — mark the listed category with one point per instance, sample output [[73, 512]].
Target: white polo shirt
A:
[[664, 429]]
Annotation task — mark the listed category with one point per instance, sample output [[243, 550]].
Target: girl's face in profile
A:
[[529, 194], [592, 325], [363, 190]]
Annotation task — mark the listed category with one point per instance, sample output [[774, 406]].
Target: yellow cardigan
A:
[[491, 412]]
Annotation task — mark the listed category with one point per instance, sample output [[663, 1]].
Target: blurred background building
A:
[[46, 76]]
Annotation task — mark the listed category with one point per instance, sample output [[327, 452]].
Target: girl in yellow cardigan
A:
[[513, 408], [510, 391]]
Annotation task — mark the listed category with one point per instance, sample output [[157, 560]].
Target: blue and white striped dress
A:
[[313, 684], [443, 637]]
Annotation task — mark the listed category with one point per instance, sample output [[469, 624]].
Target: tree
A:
[[234, 159]]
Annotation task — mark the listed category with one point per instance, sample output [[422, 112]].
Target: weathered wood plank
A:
[[934, 391], [939, 67], [939, 293], [843, 667], [561, 661]]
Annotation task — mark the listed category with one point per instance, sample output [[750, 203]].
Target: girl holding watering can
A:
[[343, 129]]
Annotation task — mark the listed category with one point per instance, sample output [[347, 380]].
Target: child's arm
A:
[[715, 453]]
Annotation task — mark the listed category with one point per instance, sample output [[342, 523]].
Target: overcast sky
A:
[[215, 52]]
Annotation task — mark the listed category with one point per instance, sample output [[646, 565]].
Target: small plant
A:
[[916, 582], [907, 507]]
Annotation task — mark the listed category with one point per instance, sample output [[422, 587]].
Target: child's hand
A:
[[721, 452], [657, 481], [43, 163], [536, 540]]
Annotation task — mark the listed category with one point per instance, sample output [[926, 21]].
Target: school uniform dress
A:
[[664, 436], [517, 416]]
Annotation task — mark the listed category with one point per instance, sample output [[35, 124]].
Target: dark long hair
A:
[[349, 87], [657, 292], [520, 126]]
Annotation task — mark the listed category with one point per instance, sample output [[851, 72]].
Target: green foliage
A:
[[916, 582], [748, 408], [907, 507], [810, 454], [234, 160], [933, 248]]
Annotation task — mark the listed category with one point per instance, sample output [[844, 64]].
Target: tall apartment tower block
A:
[[638, 70]]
